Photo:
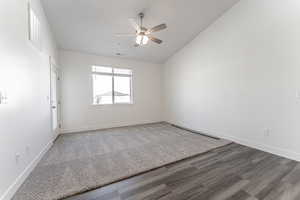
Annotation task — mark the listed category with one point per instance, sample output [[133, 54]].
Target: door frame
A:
[[56, 69]]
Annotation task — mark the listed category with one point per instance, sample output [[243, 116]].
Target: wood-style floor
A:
[[233, 172]]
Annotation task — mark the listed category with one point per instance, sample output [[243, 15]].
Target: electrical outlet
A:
[[3, 97]]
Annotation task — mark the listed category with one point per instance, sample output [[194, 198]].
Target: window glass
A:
[[102, 89], [111, 85], [34, 28], [122, 89]]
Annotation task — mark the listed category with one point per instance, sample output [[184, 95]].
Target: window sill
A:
[[116, 104]]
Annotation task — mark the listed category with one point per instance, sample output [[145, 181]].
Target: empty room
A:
[[149, 100]]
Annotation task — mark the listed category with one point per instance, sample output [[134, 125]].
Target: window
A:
[[111, 85], [34, 27]]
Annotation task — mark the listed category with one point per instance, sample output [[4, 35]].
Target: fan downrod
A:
[[141, 15]]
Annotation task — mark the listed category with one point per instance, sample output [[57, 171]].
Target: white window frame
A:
[[113, 90]]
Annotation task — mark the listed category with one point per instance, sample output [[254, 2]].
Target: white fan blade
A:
[[156, 40], [156, 28]]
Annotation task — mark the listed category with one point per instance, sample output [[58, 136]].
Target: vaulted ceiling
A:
[[90, 25]]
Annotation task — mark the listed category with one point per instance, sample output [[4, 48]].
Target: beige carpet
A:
[[80, 162]]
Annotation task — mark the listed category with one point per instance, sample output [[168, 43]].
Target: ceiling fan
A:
[[142, 34]]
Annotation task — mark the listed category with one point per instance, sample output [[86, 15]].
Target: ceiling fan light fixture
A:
[[144, 35], [142, 39], [145, 39]]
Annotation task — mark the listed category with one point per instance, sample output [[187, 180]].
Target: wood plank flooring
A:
[[233, 172]]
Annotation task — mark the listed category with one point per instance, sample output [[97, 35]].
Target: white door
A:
[[55, 100]]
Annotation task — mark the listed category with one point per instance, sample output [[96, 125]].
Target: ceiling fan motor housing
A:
[[141, 15]]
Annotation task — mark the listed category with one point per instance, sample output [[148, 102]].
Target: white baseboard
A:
[[253, 144], [22, 177], [101, 127], [266, 148]]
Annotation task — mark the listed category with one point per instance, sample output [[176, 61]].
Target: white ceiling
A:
[[89, 25]]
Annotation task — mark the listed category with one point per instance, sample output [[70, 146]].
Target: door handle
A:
[[53, 107]]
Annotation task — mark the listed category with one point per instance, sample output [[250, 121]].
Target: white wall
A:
[[77, 112], [24, 74], [241, 77]]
